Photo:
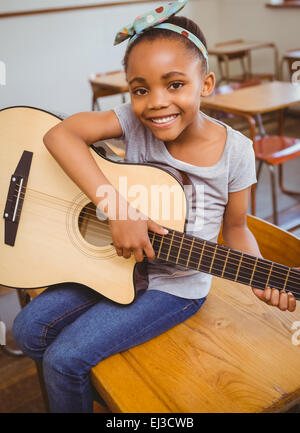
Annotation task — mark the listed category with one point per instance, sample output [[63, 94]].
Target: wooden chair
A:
[[243, 57], [229, 357], [101, 89], [288, 58], [272, 150]]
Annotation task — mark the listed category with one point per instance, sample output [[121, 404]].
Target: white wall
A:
[[250, 19], [49, 57]]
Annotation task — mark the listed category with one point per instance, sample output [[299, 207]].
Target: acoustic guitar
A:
[[49, 231]]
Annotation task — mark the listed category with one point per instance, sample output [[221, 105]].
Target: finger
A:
[[119, 251], [267, 294], [138, 254], [291, 302], [283, 301], [126, 253], [157, 228], [259, 293], [274, 297], [149, 251]]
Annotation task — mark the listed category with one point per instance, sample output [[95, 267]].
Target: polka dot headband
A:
[[155, 19]]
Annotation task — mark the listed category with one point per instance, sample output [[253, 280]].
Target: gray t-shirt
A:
[[234, 171]]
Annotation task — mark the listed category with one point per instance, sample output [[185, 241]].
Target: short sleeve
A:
[[126, 118], [242, 172]]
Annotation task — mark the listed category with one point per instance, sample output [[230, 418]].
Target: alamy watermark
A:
[[296, 74], [160, 202], [2, 73], [296, 335]]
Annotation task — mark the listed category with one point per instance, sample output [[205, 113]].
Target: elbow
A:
[[51, 136]]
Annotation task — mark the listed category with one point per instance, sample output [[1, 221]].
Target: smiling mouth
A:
[[164, 121]]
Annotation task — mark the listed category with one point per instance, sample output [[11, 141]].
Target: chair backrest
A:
[[238, 55]]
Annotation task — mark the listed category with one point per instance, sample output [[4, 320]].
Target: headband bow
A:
[[155, 19], [149, 19]]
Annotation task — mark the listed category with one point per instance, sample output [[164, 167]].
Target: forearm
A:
[[241, 238], [74, 156]]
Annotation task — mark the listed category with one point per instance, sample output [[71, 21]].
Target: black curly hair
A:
[[154, 34]]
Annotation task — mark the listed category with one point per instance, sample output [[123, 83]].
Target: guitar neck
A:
[[211, 258]]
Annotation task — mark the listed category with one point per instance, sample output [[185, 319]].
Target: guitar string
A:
[[261, 266], [229, 275], [294, 291], [217, 253]]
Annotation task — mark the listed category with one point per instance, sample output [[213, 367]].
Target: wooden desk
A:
[[108, 84], [256, 100], [228, 49], [234, 355]]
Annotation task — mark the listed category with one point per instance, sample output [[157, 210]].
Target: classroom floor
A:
[[19, 386]]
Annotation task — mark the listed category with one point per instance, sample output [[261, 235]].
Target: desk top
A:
[[258, 99], [112, 81], [293, 54], [237, 46], [236, 353]]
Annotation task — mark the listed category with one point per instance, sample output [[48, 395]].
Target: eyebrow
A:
[[165, 76]]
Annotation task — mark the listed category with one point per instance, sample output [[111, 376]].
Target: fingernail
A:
[[165, 231]]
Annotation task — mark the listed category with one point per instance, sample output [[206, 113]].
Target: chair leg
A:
[[253, 189], [259, 169], [253, 199], [280, 178], [274, 197], [39, 367], [95, 105]]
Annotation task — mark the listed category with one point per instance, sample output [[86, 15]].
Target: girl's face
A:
[[166, 82]]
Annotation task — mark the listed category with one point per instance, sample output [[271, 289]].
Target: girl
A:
[[69, 328]]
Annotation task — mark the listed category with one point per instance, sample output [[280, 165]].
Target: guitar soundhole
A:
[[93, 229]]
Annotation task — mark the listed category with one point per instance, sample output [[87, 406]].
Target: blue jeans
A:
[[70, 328]]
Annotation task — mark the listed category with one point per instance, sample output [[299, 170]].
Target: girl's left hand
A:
[[283, 300]]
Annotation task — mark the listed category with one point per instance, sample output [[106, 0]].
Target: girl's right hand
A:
[[131, 236]]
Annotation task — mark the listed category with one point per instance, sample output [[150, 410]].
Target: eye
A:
[[176, 85], [139, 92]]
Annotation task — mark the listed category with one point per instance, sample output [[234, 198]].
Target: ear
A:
[[208, 84]]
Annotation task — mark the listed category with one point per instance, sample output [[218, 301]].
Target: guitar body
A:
[[49, 247]]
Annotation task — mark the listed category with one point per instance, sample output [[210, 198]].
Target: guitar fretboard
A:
[[211, 258]]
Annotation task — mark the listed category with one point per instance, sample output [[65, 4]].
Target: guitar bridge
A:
[[15, 198]]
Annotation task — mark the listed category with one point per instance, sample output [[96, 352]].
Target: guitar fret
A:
[[238, 269], [252, 275], [160, 245], [269, 274], [287, 276], [200, 259], [223, 262], [171, 243], [179, 249], [213, 259], [223, 270], [153, 238], [191, 248]]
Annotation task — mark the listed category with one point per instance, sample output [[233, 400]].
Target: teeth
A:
[[164, 119]]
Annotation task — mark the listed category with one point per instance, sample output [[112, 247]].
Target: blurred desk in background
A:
[[110, 83]]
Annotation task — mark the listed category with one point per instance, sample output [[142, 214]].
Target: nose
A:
[[158, 99]]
